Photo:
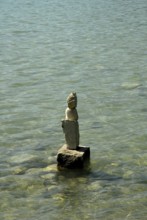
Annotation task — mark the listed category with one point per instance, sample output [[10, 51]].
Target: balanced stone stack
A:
[[71, 155]]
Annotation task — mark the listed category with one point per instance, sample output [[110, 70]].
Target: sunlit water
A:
[[49, 48]]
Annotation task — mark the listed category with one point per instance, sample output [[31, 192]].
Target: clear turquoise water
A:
[[97, 48]]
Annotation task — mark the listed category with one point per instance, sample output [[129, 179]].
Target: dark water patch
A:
[[41, 147], [8, 183], [144, 109], [143, 181], [96, 125], [35, 164], [143, 91], [47, 195], [100, 175], [141, 177], [29, 162], [19, 194]]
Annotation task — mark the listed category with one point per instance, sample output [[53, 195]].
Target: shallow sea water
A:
[[97, 48]]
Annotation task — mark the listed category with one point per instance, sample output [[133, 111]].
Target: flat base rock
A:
[[67, 158]]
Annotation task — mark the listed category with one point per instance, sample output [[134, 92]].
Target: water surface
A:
[[49, 48]]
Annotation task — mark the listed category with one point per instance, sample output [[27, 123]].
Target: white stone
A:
[[71, 131], [70, 123], [71, 114]]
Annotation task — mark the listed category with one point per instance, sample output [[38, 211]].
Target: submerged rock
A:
[[95, 186], [131, 85], [51, 168], [22, 158], [18, 170]]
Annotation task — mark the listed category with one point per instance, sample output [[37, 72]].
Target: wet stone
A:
[[72, 158]]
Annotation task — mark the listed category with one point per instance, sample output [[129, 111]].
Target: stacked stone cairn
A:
[[71, 154]]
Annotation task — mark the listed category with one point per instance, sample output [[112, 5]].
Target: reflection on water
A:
[[49, 49]]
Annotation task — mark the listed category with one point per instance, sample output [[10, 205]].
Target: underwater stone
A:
[[130, 85]]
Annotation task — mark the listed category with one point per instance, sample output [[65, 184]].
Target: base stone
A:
[[67, 158]]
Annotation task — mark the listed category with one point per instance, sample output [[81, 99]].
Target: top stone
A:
[[72, 100], [71, 113]]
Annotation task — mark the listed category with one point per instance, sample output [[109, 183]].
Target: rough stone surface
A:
[[72, 158], [71, 114], [70, 124], [72, 100], [71, 155], [71, 131]]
